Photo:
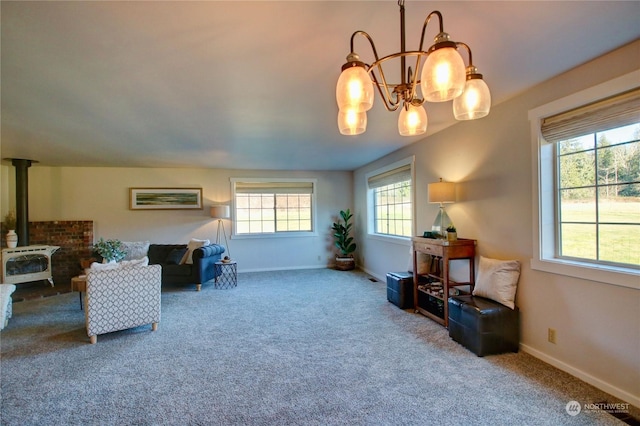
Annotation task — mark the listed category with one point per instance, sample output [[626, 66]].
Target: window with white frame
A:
[[392, 201], [274, 206], [588, 184], [598, 196]]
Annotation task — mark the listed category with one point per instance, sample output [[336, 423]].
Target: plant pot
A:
[[345, 263], [452, 236], [12, 239]]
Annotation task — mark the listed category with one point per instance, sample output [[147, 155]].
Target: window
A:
[[392, 201], [587, 181], [599, 196], [284, 206]]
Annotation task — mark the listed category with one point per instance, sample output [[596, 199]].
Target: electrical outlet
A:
[[551, 335]]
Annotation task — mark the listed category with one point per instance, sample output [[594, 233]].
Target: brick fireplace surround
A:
[[74, 237]]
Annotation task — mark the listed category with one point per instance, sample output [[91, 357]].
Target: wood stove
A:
[[27, 263]]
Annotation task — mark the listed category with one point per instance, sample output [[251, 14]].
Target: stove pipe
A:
[[22, 200]]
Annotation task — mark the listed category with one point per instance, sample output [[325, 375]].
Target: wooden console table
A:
[[431, 290]]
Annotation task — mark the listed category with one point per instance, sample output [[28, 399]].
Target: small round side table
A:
[[79, 284], [226, 274]]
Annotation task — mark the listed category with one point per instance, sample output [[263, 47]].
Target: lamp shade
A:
[[475, 101], [220, 212], [443, 75], [412, 120], [442, 192], [354, 90], [351, 122]]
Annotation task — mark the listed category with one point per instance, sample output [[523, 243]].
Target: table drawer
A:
[[433, 250]]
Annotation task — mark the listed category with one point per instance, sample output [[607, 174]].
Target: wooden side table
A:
[[431, 291], [226, 274], [79, 284]]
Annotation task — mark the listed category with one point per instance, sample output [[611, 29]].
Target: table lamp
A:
[[441, 192], [221, 212]]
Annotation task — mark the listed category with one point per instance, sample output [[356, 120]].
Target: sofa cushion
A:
[[176, 270], [135, 249], [191, 246], [175, 256], [498, 280]]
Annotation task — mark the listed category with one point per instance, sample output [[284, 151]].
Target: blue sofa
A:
[[201, 271]]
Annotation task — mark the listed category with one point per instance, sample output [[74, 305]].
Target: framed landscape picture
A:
[[165, 198]]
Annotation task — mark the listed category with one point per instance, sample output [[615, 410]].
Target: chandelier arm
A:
[[459, 43], [415, 82], [368, 37], [426, 22], [386, 96], [381, 81]]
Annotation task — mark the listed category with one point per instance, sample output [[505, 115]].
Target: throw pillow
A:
[[191, 246], [175, 256], [95, 266], [498, 280], [135, 262], [135, 249]]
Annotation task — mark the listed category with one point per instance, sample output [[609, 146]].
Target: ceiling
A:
[[251, 85]]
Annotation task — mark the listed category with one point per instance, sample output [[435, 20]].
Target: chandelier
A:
[[443, 77]]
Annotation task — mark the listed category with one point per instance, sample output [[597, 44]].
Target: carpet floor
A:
[[312, 347]]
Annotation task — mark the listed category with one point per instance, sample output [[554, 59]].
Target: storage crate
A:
[[400, 289]]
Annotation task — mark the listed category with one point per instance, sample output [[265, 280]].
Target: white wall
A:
[[102, 195], [598, 325]]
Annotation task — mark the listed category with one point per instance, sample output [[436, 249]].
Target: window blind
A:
[[616, 111], [274, 187], [399, 174]]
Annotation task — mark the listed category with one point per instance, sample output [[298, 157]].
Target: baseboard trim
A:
[[585, 377], [383, 278]]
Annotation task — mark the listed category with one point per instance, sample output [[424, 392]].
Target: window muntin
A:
[[598, 196], [274, 207]]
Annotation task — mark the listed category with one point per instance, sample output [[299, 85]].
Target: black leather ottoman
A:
[[400, 289], [483, 326]]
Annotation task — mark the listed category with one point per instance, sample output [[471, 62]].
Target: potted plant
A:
[[10, 226], [344, 242], [110, 250], [452, 234]]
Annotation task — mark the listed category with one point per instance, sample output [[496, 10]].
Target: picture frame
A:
[[165, 199]]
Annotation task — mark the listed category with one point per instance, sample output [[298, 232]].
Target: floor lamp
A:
[[441, 192], [221, 212]]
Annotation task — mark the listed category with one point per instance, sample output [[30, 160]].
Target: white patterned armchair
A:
[[122, 298]]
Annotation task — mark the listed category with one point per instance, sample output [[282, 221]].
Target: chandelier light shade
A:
[[412, 120], [475, 101], [351, 122], [354, 90], [442, 77]]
